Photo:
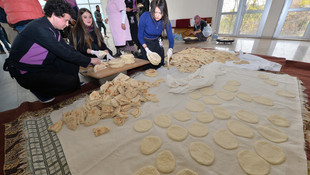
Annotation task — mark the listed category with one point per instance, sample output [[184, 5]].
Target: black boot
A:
[[118, 52]]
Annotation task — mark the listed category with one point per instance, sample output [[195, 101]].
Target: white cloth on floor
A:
[[204, 76]]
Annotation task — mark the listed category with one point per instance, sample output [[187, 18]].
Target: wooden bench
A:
[[89, 71]]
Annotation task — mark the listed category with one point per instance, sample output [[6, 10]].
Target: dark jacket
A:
[[38, 46]]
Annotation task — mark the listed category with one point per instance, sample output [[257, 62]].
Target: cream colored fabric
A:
[[117, 152]]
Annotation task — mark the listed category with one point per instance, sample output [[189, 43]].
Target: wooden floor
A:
[[12, 95]]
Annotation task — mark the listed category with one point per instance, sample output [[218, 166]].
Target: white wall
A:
[[178, 9]]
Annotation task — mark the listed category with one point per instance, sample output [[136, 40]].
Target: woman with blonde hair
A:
[[86, 37]]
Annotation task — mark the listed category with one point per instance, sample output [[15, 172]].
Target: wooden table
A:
[[89, 71]]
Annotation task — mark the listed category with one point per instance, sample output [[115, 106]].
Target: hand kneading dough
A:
[[186, 172], [165, 162], [149, 170], [182, 116], [225, 95], [247, 116], [198, 130], [177, 133], [162, 121], [150, 144], [272, 134], [270, 152], [195, 95], [278, 121], [211, 100], [251, 163], [263, 100], [240, 129], [225, 139], [208, 91], [285, 93], [143, 125], [195, 106], [244, 96], [205, 117], [221, 113], [201, 153]]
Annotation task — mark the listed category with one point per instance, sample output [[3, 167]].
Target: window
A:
[[242, 17], [294, 20]]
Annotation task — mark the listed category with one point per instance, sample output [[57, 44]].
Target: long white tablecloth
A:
[[117, 152]]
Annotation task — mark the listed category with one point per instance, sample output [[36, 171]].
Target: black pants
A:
[[101, 25], [55, 80], [154, 46], [133, 28]]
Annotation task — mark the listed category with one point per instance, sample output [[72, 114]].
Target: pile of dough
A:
[[101, 66], [128, 58], [116, 63], [151, 73], [154, 58]]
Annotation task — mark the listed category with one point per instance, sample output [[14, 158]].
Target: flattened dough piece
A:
[[221, 113], [186, 172], [240, 129], [272, 134], [208, 91], [270, 152], [205, 117], [201, 153], [149, 170], [150, 144], [230, 88], [278, 120], [225, 95], [198, 130], [251, 163], [286, 93], [165, 161], [244, 96], [263, 100], [195, 95], [247, 116], [177, 133], [211, 100], [233, 83], [263, 76], [162, 121], [225, 139], [195, 106], [143, 125], [271, 82], [182, 116]]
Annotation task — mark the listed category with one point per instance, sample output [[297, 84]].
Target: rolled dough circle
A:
[[143, 125], [150, 144], [240, 129], [270, 152], [225, 95], [198, 130], [165, 162], [247, 116], [186, 172], [182, 115], [251, 163], [225, 139], [195, 106], [177, 133], [272, 134], [205, 117], [278, 121], [195, 95], [149, 170], [221, 113], [201, 153]]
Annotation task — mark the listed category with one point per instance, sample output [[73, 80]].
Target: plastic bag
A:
[[207, 31]]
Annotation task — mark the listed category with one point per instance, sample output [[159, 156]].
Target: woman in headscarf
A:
[[198, 28]]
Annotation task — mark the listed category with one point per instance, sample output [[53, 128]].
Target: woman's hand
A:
[[106, 21], [128, 9], [123, 26], [95, 61]]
